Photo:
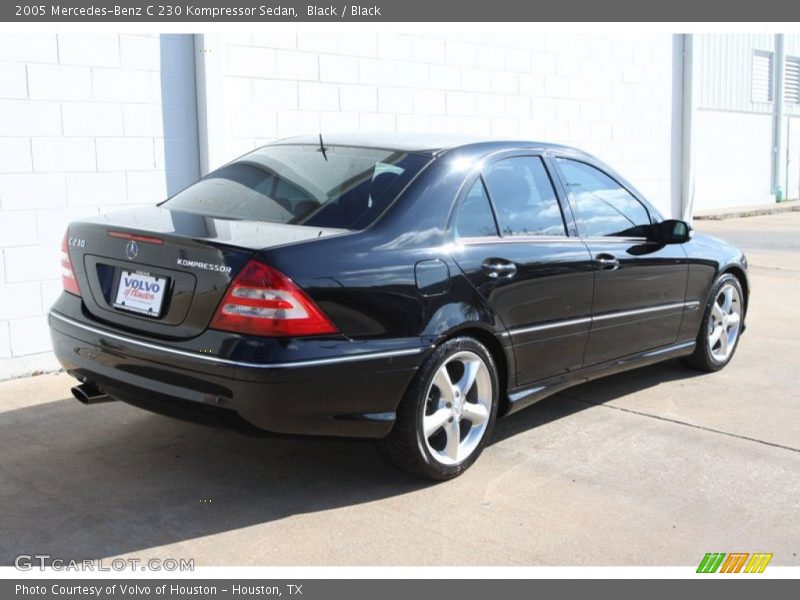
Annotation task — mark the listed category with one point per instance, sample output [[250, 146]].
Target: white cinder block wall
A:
[[94, 123], [610, 95], [88, 123]]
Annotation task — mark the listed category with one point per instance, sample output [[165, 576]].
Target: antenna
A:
[[322, 148]]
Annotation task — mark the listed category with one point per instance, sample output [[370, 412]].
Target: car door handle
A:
[[606, 262], [499, 267]]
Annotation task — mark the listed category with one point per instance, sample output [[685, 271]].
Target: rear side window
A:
[[475, 217], [343, 187], [524, 198], [604, 207]]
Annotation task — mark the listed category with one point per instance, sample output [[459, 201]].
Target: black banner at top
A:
[[169, 11]]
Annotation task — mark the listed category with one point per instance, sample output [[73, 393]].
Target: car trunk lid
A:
[[162, 272]]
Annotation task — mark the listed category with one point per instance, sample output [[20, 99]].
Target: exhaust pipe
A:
[[88, 393]]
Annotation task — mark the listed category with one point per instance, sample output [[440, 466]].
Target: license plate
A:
[[141, 293]]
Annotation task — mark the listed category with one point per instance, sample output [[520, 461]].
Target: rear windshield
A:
[[342, 187]]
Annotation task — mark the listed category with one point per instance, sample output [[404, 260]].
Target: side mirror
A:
[[672, 231]]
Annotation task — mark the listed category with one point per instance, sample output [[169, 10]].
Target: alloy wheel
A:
[[724, 322], [457, 408]]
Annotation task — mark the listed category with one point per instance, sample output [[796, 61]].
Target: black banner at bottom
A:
[[389, 589]]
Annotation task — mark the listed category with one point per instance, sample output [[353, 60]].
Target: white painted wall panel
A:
[[793, 162], [733, 153], [726, 63], [726, 70]]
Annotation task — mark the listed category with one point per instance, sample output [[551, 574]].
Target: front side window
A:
[[604, 207], [524, 198], [475, 218], [342, 187]]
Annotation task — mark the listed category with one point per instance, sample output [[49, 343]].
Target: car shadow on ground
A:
[[80, 482], [581, 397]]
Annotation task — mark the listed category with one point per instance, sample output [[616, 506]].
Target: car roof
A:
[[476, 147], [424, 143]]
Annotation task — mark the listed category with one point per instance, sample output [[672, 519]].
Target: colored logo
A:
[[735, 562]]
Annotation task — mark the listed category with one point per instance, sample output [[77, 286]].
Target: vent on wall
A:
[[762, 76], [792, 80]]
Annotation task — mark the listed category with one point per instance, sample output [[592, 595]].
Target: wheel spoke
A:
[[716, 310], [733, 319], [443, 383], [433, 423], [467, 380], [475, 413], [727, 294], [715, 335], [723, 342], [453, 432]]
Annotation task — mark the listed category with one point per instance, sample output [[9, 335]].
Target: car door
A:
[[511, 242], [640, 284]]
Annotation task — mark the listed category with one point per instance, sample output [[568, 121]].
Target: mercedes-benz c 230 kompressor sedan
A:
[[411, 290]]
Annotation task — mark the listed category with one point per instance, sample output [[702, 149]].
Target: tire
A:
[[722, 325], [466, 410]]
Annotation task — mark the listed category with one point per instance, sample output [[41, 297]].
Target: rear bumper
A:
[[352, 395]]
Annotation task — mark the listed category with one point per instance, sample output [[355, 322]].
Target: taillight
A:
[[263, 301], [67, 272]]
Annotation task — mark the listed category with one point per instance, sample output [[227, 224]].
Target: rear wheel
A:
[[721, 326], [448, 412]]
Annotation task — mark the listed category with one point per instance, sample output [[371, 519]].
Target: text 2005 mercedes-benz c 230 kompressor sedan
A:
[[410, 290]]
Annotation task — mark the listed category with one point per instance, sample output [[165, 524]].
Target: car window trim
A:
[[554, 238], [518, 239], [567, 209]]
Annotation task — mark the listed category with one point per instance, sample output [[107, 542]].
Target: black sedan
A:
[[405, 289]]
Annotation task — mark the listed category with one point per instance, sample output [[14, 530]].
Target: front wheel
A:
[[448, 412], [721, 326]]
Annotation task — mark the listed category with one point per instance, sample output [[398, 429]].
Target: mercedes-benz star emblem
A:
[[132, 250]]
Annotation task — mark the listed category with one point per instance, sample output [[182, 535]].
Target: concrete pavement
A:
[[751, 210], [651, 467]]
